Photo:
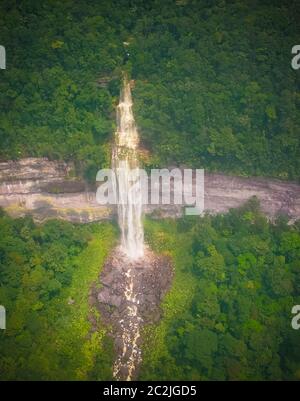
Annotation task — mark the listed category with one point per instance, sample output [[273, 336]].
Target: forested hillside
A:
[[214, 86], [228, 314], [226, 317], [46, 273]]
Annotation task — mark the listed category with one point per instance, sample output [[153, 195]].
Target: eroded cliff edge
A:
[[48, 189]]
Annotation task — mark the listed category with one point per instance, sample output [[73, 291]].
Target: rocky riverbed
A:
[[130, 297]]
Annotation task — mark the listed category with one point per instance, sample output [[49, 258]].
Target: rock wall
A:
[[47, 189]]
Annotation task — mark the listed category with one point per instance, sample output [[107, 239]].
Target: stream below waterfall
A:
[[129, 201], [134, 279]]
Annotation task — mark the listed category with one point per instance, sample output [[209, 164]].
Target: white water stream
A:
[[128, 191], [129, 199]]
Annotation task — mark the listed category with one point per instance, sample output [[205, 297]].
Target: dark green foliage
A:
[[215, 87], [46, 272], [52, 100], [214, 83], [242, 284]]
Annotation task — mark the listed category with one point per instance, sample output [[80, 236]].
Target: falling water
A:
[[128, 187], [132, 276], [129, 200]]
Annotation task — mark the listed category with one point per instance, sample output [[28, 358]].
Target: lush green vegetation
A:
[[46, 273], [51, 104], [228, 314], [214, 83], [226, 317], [214, 88]]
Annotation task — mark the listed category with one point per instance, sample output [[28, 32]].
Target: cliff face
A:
[[45, 189]]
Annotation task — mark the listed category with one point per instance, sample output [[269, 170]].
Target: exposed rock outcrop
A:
[[130, 297], [46, 189]]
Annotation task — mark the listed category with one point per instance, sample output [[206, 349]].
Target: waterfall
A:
[[132, 274], [128, 192], [128, 186]]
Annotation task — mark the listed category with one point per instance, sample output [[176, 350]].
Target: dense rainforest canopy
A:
[[214, 83], [227, 316], [46, 273], [213, 89]]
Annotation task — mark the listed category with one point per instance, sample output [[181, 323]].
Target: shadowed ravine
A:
[[134, 279]]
